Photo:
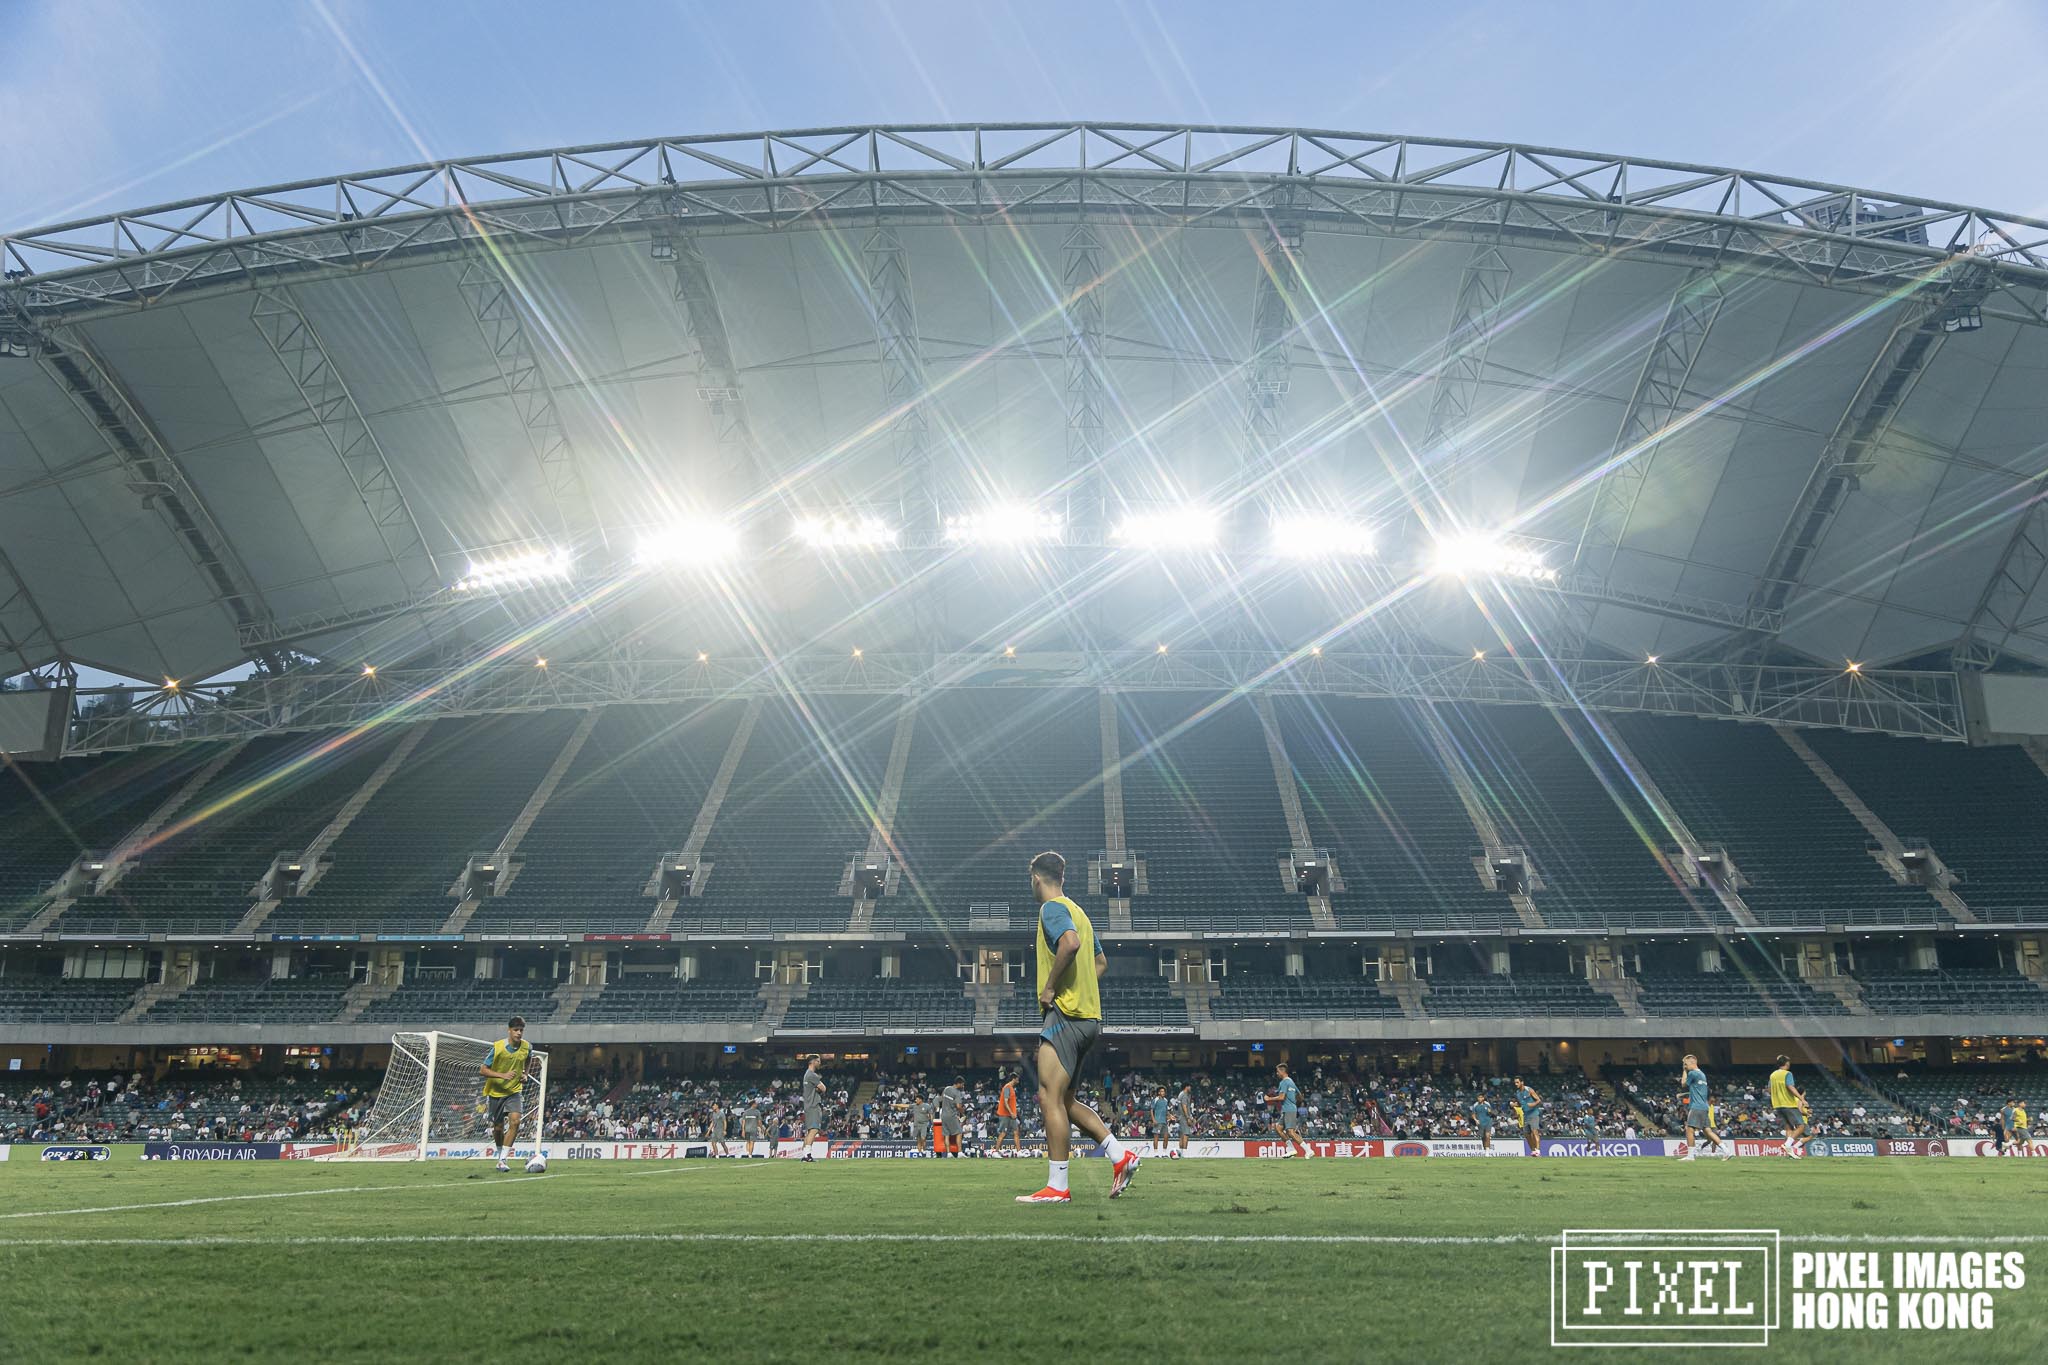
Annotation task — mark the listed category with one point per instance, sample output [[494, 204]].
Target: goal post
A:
[[432, 1099]]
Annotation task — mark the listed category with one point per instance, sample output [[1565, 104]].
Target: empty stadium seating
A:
[[1202, 809], [994, 778], [1300, 997], [455, 795], [1525, 995], [1799, 848], [638, 999], [1375, 796], [271, 798], [882, 1004], [1952, 992], [436, 1003], [630, 796], [52, 812], [252, 1002], [1734, 993], [1982, 810], [800, 806], [48, 1000], [1552, 788]]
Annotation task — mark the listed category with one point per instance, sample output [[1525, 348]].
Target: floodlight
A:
[[844, 532], [688, 543], [515, 571], [1316, 536], [1183, 528], [1482, 555], [1004, 524]]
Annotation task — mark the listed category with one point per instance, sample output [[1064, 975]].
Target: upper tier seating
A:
[[1554, 789], [1377, 799], [631, 795], [1798, 847], [201, 877], [52, 812], [994, 778], [1517, 995], [455, 795], [1982, 810], [800, 806], [1203, 812]]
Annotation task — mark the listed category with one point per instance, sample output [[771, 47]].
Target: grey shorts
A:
[[1071, 1040], [1696, 1116], [1790, 1118], [750, 1131], [814, 1120], [496, 1107], [1006, 1125], [1290, 1118]]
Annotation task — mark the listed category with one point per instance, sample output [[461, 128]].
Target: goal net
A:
[[432, 1101]]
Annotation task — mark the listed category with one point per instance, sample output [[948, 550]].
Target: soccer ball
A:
[[538, 1165]]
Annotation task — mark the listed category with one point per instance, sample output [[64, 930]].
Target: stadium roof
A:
[[1728, 411]]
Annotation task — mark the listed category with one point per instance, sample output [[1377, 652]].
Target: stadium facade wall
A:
[[1385, 1029]]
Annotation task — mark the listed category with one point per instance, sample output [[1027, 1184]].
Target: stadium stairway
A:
[[149, 997], [1200, 999], [502, 856], [1674, 823], [776, 998], [1873, 826], [1320, 915], [989, 998], [860, 918], [1628, 996], [313, 858], [572, 993], [364, 994], [1117, 918], [692, 852], [121, 857]]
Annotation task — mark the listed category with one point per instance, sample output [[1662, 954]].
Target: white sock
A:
[[1056, 1179], [1112, 1149]]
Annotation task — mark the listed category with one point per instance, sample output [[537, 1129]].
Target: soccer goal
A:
[[432, 1101]]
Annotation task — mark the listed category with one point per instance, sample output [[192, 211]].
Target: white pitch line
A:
[[279, 1194], [1092, 1239], [303, 1194]]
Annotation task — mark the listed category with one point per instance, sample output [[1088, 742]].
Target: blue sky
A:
[[110, 105]]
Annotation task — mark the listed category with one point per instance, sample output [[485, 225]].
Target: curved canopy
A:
[[1727, 410]]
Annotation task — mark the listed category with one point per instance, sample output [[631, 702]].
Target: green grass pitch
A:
[[732, 1260]]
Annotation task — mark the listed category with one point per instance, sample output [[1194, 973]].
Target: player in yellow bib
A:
[[1070, 966], [504, 1072], [1790, 1106]]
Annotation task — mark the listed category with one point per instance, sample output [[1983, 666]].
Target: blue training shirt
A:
[[1696, 1086], [1290, 1094]]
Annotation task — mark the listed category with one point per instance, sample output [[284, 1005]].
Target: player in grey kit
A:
[[952, 1104], [814, 1108], [750, 1127], [719, 1129], [921, 1122]]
